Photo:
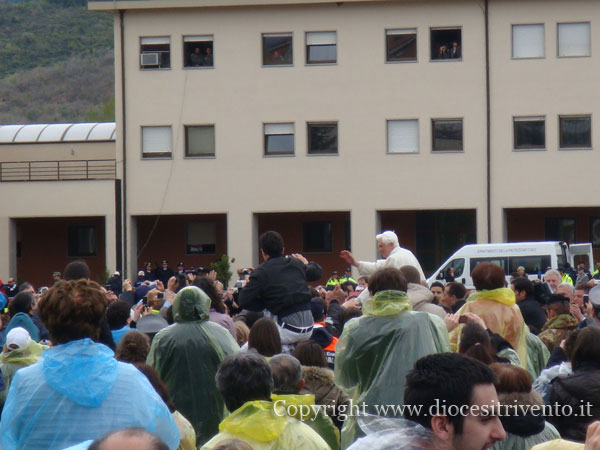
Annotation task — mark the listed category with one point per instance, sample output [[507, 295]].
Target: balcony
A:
[[99, 169]]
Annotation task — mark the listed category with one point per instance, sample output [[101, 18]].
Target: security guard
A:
[[333, 281], [347, 277]]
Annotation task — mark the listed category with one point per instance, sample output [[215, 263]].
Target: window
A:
[[457, 264], [446, 43], [322, 138], [277, 49], [198, 51], [529, 133], [201, 238], [560, 229], [81, 241], [403, 136], [279, 138], [155, 52], [401, 45], [200, 140], [316, 237], [502, 262], [447, 135], [575, 131], [528, 41], [156, 142], [533, 264], [321, 47], [595, 231], [574, 39]]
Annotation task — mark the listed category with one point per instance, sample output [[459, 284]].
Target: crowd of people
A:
[[175, 360]]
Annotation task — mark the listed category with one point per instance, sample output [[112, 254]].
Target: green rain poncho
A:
[[14, 360], [376, 351], [187, 354]]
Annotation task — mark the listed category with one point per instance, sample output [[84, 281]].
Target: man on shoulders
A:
[[393, 255], [279, 285]]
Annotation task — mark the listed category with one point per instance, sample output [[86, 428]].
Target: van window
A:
[[502, 262], [533, 264], [457, 264]]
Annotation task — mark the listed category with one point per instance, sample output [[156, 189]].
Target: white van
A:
[[536, 257]]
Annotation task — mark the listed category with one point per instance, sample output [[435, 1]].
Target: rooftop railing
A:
[[98, 169]]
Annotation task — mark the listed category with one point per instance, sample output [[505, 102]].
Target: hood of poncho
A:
[[418, 294], [191, 304], [306, 403], [81, 370], [28, 355], [256, 420], [506, 296], [387, 303]]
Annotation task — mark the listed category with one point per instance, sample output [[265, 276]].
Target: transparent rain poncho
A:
[[77, 392], [376, 351], [187, 354], [383, 433]]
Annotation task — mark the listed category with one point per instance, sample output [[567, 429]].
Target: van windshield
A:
[[457, 264]]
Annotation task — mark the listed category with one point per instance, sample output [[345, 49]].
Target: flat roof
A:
[[115, 5], [57, 132]]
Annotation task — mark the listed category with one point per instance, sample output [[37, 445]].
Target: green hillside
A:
[[56, 63], [80, 89]]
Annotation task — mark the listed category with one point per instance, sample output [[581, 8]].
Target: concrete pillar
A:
[[12, 248], [363, 229], [132, 248], [5, 244], [110, 242], [241, 238]]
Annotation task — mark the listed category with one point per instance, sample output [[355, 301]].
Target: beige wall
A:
[[361, 91], [54, 199], [548, 87], [60, 151]]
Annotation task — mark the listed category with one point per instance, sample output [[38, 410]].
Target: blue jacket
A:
[[78, 392]]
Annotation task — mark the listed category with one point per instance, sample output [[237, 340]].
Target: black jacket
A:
[[575, 390], [533, 314], [280, 285]]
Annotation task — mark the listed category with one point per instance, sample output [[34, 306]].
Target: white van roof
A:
[[511, 247]]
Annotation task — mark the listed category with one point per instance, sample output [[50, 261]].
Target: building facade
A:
[[449, 122]]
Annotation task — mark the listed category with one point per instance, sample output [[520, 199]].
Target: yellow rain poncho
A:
[[14, 360], [376, 351], [499, 311], [264, 427], [302, 407]]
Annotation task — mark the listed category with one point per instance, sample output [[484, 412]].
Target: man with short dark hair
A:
[[376, 351], [279, 285], [533, 314], [437, 289], [287, 384], [454, 396], [245, 382], [454, 296]]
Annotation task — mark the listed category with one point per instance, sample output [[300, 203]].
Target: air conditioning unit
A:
[[149, 59]]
